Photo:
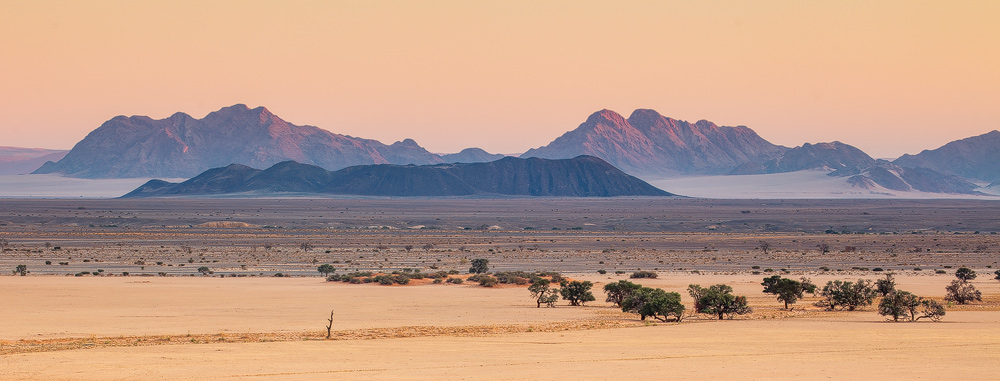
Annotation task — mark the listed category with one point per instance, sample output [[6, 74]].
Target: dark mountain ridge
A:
[[582, 176]]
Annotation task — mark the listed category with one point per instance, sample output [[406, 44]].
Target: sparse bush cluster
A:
[[643, 274]]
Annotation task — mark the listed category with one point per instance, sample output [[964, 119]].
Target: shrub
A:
[[602, 272], [21, 270], [577, 292], [455, 280], [204, 270], [487, 280], [718, 300], [643, 274]]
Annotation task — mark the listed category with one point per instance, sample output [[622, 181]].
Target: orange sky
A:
[[890, 77]]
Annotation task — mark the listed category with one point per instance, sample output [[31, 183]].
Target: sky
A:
[[890, 77]]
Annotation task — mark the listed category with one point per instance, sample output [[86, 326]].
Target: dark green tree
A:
[[326, 269], [965, 274], [619, 291], [998, 275], [577, 292], [901, 304], [479, 266], [543, 294], [787, 290], [21, 270], [655, 303], [962, 292], [885, 286], [718, 300], [839, 294], [204, 270]]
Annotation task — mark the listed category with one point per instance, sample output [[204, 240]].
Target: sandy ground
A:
[[770, 344]]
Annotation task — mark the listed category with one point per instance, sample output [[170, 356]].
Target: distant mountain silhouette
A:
[[182, 146], [583, 176], [648, 143], [471, 155], [893, 177], [18, 161], [832, 156], [977, 157]]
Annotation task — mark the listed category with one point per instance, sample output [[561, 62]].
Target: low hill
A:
[[583, 176]]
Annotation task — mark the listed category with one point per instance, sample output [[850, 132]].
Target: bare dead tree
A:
[[330, 325]]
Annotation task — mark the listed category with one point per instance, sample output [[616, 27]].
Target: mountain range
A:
[[646, 144], [584, 176], [182, 146], [19, 161], [649, 144]]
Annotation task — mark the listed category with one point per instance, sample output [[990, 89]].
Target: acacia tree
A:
[[839, 294], [902, 304], [965, 274], [542, 293], [577, 292], [479, 266], [788, 290], [885, 286], [619, 291], [21, 270], [962, 292], [326, 269], [718, 300], [655, 303]]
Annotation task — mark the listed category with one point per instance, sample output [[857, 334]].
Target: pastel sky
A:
[[890, 77]]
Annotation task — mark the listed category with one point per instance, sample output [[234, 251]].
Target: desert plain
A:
[[114, 291]]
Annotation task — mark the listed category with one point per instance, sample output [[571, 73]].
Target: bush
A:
[[643, 274], [487, 280], [21, 270], [839, 294], [577, 292], [602, 272], [718, 300], [455, 280]]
